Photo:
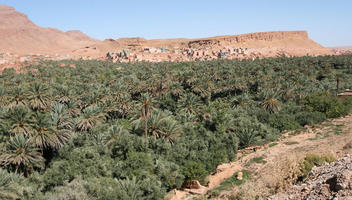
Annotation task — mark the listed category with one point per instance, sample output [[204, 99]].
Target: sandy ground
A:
[[281, 161]]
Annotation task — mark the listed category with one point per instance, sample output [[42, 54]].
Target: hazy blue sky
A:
[[329, 22]]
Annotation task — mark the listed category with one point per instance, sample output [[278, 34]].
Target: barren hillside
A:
[[21, 36]]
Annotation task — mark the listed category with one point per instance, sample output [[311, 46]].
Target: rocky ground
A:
[[331, 181], [11, 60]]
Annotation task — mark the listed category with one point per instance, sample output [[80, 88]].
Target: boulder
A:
[[240, 176]]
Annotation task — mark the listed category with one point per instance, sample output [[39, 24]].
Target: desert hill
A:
[[342, 48], [21, 36]]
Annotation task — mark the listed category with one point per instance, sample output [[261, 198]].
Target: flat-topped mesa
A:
[[240, 39], [253, 45]]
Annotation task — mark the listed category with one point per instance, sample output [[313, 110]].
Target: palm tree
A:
[[242, 100], [146, 111], [271, 105], [61, 117], [20, 120], [170, 130], [269, 100], [45, 134], [37, 96], [7, 190], [63, 95], [246, 135], [189, 103], [73, 109], [113, 133], [203, 89], [160, 125], [129, 189], [90, 117], [3, 97], [17, 97], [4, 123], [21, 154], [123, 104], [176, 89]]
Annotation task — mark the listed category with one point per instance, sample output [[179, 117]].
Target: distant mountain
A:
[[20, 35], [343, 48]]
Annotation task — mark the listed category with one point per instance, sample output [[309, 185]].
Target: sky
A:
[[328, 22]]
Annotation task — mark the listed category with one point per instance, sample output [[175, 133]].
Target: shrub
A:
[[84, 161], [137, 164], [309, 118], [194, 171], [251, 131], [283, 122], [108, 188], [326, 103], [259, 160], [75, 190]]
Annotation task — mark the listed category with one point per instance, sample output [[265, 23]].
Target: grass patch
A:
[[291, 143], [256, 160], [273, 144], [338, 131], [329, 124], [229, 183], [319, 136], [233, 180]]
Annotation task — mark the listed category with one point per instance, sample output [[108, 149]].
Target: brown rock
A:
[[239, 176]]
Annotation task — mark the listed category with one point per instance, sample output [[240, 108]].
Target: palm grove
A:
[[101, 130]]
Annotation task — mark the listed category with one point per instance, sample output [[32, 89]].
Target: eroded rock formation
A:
[[254, 45]]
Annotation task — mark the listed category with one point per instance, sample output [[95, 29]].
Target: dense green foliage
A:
[[101, 130]]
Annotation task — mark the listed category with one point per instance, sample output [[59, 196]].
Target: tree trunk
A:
[[337, 84], [146, 127]]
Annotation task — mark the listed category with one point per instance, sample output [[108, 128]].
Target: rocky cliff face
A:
[[242, 39], [253, 45]]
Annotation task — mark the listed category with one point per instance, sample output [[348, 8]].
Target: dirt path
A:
[[279, 160]]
